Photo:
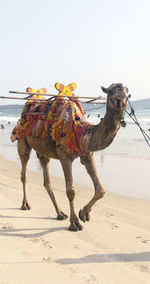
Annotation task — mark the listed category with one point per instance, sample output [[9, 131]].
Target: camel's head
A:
[[117, 95]]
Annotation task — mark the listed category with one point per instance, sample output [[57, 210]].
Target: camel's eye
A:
[[118, 86]]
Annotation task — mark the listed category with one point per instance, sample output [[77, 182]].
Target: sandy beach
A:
[[36, 248]]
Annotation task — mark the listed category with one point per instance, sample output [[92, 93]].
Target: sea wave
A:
[[12, 119], [140, 120]]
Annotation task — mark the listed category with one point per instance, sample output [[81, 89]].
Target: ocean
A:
[[128, 143]]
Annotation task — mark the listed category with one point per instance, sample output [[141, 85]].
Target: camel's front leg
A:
[[67, 168], [89, 163], [24, 153], [47, 184]]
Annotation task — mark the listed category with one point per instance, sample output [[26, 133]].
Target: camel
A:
[[102, 136]]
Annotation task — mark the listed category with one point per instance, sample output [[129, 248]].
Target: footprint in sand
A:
[[41, 240], [7, 226], [70, 269], [46, 243], [35, 240], [76, 246], [48, 259], [114, 226], [143, 268], [142, 240], [145, 241], [109, 214], [92, 280]]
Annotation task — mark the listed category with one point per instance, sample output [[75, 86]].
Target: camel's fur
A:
[[103, 135]]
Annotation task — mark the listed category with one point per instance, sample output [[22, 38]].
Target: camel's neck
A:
[[105, 132]]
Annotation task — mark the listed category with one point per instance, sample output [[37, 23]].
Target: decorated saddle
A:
[[34, 116], [62, 119]]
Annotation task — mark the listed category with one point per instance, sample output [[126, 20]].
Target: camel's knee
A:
[[47, 185], [99, 193], [88, 158], [24, 158], [70, 194], [43, 160]]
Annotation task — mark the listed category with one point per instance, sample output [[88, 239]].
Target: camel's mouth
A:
[[121, 97], [118, 102], [122, 102]]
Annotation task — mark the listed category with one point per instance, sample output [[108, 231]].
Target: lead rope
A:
[[134, 118]]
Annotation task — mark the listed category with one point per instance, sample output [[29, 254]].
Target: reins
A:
[[134, 118]]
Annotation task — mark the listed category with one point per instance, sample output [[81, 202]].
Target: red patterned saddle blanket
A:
[[63, 120], [69, 127], [33, 120]]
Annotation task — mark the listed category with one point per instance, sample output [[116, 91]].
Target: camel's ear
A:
[[105, 90], [28, 90]]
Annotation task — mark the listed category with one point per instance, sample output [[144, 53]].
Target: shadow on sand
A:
[[104, 258], [9, 231], [25, 233]]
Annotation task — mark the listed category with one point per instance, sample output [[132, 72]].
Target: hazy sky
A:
[[90, 42]]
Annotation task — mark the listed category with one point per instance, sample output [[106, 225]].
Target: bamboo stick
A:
[[17, 98], [54, 95], [46, 101]]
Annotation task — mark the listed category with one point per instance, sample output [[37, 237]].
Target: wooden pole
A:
[[17, 98], [45, 101], [54, 95]]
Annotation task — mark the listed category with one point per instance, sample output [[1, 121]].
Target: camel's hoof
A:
[[62, 216], [84, 216], [25, 207], [75, 227]]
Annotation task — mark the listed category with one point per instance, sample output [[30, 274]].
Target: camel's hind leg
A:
[[89, 163], [24, 151], [47, 184]]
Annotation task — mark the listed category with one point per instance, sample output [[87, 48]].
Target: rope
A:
[[134, 118], [94, 108]]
